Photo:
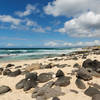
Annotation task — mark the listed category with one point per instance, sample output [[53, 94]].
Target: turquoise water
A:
[[31, 53]]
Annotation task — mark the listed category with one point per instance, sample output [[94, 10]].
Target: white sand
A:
[[21, 95]]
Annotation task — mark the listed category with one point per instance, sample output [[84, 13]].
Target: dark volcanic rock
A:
[[96, 97], [20, 84], [1, 70], [91, 91], [94, 65], [59, 73], [4, 89], [29, 84], [80, 84], [62, 81], [55, 98], [10, 65], [84, 74], [32, 76], [6, 72], [76, 65], [44, 77], [15, 73]]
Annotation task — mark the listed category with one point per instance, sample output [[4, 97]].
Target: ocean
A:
[[7, 54]]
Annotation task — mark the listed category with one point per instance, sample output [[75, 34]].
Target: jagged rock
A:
[[79, 83], [84, 74], [55, 98], [96, 97], [1, 70], [20, 84], [6, 72], [62, 81], [59, 73], [91, 91], [49, 65], [4, 89], [44, 77], [10, 65], [15, 73]]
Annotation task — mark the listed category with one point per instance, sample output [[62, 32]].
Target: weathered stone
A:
[[20, 84], [76, 65], [4, 89], [79, 83], [92, 91], [10, 65], [6, 72], [15, 73], [59, 73], [84, 74], [96, 97], [34, 66], [44, 77], [75, 91], [62, 81]]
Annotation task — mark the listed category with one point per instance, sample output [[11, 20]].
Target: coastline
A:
[[70, 60]]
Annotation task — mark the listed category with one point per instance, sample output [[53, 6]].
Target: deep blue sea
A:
[[7, 54]]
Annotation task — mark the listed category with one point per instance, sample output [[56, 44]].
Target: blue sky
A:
[[49, 23]]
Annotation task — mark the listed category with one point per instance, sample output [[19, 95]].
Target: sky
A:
[[49, 23]]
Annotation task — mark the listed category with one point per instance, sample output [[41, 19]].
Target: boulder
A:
[[7, 72], [34, 66], [15, 73], [44, 77], [59, 73], [96, 97], [76, 65], [10, 65], [91, 91], [20, 84], [79, 83], [4, 89], [82, 73], [1, 70], [62, 81]]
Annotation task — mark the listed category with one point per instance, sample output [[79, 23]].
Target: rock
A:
[[84, 74], [15, 73], [96, 97], [91, 64], [10, 65], [49, 84], [32, 76], [76, 65], [29, 84], [20, 84], [40, 98], [62, 81], [75, 58], [49, 65], [6, 72], [79, 83], [61, 66], [75, 91], [59, 73], [18, 67], [4, 89], [91, 91], [55, 98], [34, 66], [44, 77], [1, 70]]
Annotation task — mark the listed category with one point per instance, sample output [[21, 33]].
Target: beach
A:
[[71, 92]]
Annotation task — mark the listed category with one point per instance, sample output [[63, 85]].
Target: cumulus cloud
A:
[[38, 29], [9, 19], [86, 25], [70, 44], [71, 7], [28, 10]]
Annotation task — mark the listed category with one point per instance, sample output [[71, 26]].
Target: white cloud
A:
[[28, 10], [71, 7], [86, 25], [38, 29], [70, 44], [31, 23], [9, 19]]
